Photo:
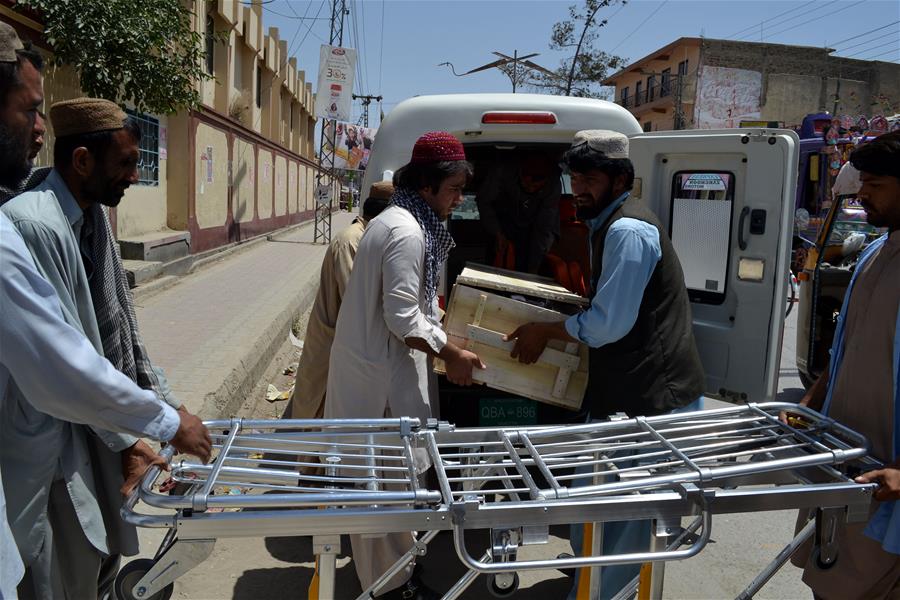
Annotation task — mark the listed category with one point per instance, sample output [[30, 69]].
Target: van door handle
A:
[[742, 243]]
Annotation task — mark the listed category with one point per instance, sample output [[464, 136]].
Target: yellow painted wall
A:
[[281, 181], [211, 181], [244, 180], [265, 169], [143, 209], [292, 187]]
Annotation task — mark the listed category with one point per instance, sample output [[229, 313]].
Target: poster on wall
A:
[[353, 145], [726, 97], [334, 89]]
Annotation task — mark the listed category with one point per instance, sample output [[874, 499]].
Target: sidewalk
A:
[[216, 330]]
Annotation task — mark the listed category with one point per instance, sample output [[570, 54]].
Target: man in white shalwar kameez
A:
[[388, 330]]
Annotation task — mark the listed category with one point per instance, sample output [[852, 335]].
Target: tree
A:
[[581, 73], [141, 51]]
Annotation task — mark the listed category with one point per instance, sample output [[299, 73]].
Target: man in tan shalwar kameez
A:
[[308, 399], [861, 389]]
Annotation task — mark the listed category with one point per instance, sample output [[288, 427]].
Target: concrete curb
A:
[[228, 398]]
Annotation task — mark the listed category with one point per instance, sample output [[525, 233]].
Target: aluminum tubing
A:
[[577, 562]]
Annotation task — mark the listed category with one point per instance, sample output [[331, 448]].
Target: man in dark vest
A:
[[643, 358]]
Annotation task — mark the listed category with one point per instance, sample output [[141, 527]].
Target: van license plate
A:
[[500, 412]]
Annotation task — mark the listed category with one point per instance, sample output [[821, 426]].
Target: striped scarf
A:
[[438, 241], [113, 305]]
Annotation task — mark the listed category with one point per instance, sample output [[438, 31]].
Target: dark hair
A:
[[372, 207], [881, 156], [9, 72], [97, 143], [582, 159], [431, 175]]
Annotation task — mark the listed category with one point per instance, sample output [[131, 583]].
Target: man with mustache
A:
[[861, 388], [66, 230], [643, 357]]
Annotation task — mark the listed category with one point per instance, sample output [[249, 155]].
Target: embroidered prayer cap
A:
[[611, 144], [9, 43], [85, 115], [381, 190], [437, 146]]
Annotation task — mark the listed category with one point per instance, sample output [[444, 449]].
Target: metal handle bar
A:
[[143, 490], [459, 542]]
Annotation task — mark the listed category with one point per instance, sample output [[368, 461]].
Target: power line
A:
[[867, 50], [869, 41], [801, 16], [754, 26], [884, 54], [650, 16], [859, 35], [295, 18], [819, 18]]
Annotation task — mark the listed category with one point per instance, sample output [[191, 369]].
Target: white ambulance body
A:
[[726, 197]]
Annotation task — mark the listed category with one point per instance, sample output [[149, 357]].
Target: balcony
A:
[[657, 98]]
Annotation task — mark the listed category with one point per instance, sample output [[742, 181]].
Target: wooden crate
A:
[[478, 319]]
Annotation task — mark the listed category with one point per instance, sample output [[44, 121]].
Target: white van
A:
[[726, 196]]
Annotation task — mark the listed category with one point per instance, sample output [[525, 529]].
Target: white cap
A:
[[611, 143]]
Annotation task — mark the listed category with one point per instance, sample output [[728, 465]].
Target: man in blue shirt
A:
[[643, 358]]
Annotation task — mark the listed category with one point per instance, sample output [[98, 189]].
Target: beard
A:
[[586, 212], [14, 162]]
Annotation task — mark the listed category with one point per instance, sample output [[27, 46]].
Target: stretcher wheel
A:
[[131, 574], [503, 585]]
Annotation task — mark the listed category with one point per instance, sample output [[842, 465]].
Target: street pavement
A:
[[196, 328], [214, 331]]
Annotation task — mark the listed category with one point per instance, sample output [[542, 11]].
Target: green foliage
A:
[[581, 73], [143, 51]]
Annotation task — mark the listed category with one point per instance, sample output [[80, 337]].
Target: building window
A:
[[292, 117], [148, 160], [665, 86], [638, 90], [258, 85], [648, 127], [651, 88], [210, 45], [624, 97], [682, 68]]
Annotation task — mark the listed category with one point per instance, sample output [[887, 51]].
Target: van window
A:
[[700, 229]]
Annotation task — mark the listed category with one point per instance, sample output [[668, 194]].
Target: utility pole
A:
[[677, 95], [327, 143], [366, 101]]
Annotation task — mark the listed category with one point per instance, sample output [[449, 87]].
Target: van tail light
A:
[[518, 118]]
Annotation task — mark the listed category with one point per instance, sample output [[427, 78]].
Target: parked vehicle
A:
[[727, 196], [826, 274]]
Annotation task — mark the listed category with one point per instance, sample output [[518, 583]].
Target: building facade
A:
[[241, 165], [699, 83]]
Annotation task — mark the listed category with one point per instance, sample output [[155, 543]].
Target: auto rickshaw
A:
[[824, 279]]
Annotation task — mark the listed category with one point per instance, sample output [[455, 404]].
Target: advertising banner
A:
[[334, 93], [352, 145]]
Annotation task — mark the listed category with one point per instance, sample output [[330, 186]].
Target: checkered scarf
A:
[[34, 178], [438, 241], [114, 306]]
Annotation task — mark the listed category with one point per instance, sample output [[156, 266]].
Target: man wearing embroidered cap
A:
[[643, 358], [66, 231], [308, 399], [388, 329], [21, 95]]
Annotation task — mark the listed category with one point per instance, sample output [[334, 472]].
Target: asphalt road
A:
[[276, 568]]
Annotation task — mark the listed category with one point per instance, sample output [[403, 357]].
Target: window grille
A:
[[148, 161]]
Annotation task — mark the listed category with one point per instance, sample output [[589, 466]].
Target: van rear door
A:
[[727, 199]]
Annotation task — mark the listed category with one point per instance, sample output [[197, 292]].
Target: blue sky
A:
[[401, 42]]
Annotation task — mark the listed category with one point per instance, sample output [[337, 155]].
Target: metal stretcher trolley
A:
[[324, 478]]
